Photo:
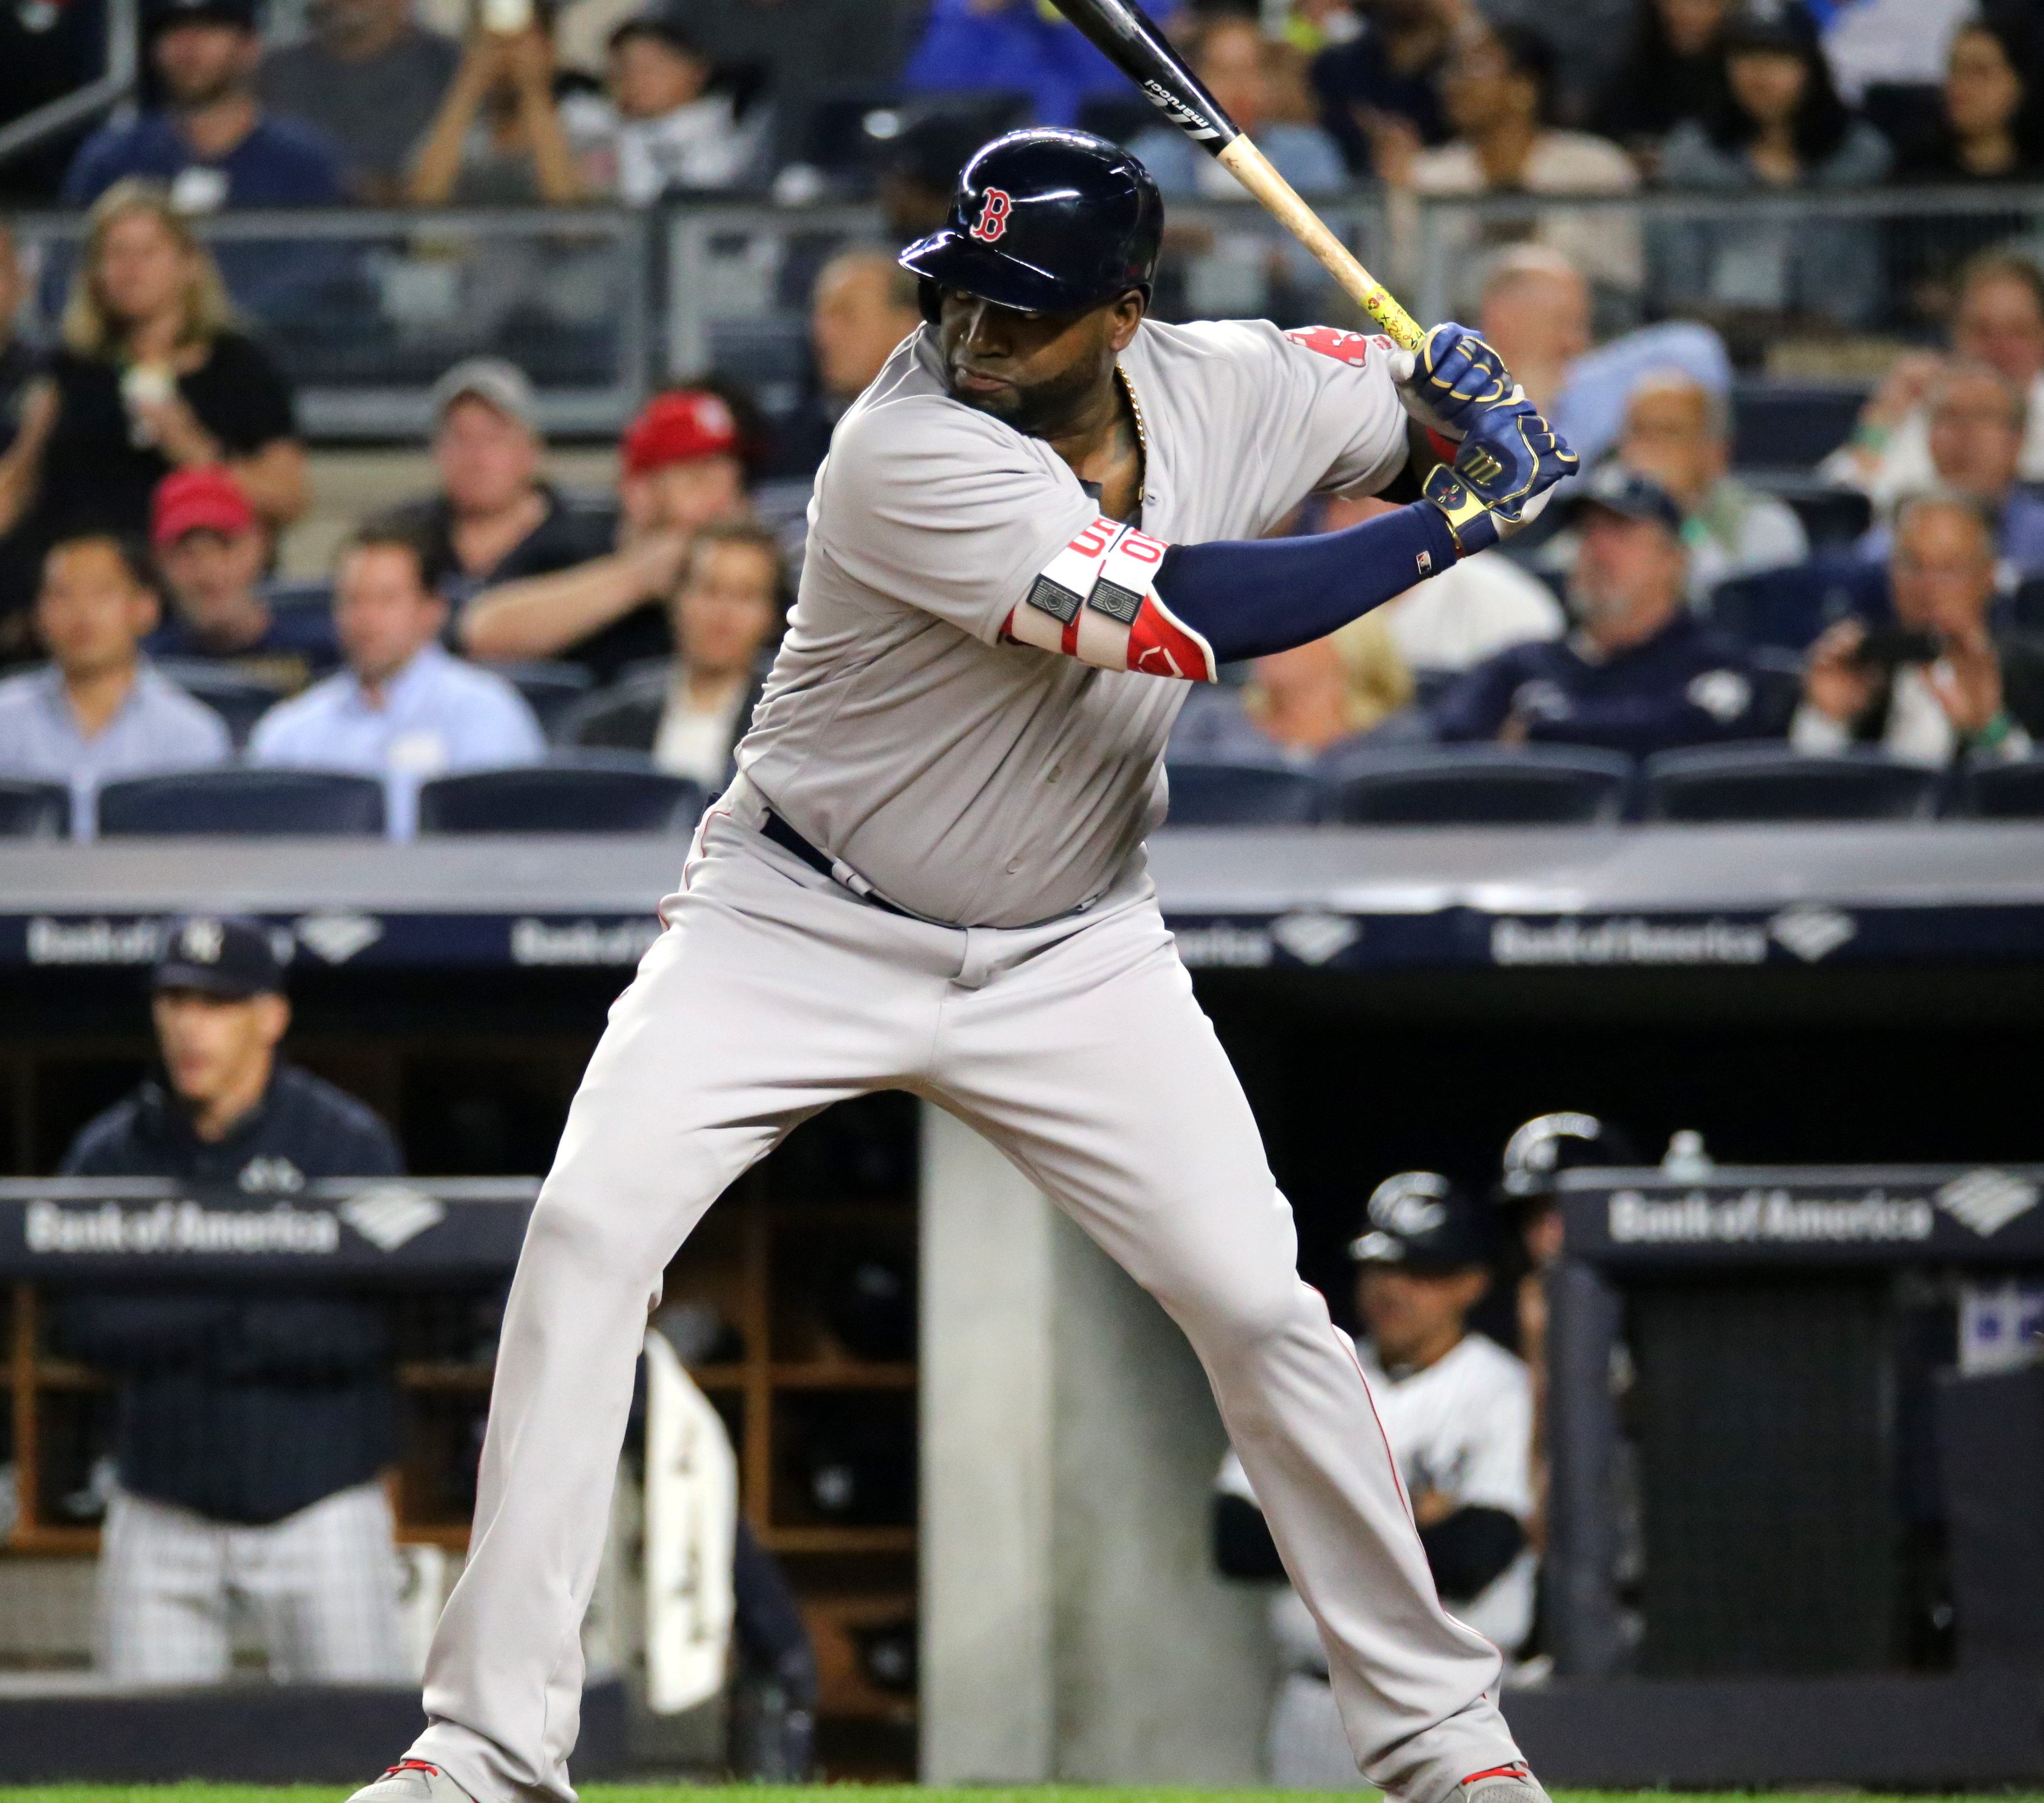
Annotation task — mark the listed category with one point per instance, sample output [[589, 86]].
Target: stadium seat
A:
[[239, 700], [1478, 786], [306, 594], [1206, 794], [1768, 782], [1790, 425], [1787, 609], [550, 688], [241, 799], [33, 810], [1833, 519], [1993, 789], [587, 792]]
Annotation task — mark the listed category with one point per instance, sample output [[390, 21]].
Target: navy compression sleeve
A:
[[1252, 598]]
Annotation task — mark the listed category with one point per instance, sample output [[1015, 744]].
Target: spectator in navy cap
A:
[[1457, 1411], [211, 140], [253, 1422], [1639, 673]]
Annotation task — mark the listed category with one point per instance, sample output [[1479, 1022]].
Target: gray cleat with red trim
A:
[[414, 1780]]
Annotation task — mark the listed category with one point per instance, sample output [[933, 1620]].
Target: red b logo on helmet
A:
[[993, 219]]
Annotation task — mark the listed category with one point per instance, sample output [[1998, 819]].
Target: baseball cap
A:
[[1631, 494], [207, 500], [494, 383], [229, 955], [164, 14], [678, 428], [1549, 1144], [1418, 1221]]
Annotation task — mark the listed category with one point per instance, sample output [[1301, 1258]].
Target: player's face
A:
[[1035, 370], [214, 1046], [1413, 1317]]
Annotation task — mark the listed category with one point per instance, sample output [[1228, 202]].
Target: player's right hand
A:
[[1507, 463], [1455, 376]]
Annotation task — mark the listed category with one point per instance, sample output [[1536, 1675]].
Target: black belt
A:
[[789, 839]]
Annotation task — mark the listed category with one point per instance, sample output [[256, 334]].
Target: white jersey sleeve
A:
[[1350, 418], [945, 509]]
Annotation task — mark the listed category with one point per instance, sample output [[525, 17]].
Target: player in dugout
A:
[[253, 1421], [1043, 521], [1457, 1410]]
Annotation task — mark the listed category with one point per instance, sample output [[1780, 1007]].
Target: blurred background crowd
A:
[[1779, 290]]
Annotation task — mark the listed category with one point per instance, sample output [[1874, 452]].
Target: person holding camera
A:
[[1939, 683], [497, 139]]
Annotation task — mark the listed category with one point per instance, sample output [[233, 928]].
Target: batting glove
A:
[[1508, 462], [1454, 376]]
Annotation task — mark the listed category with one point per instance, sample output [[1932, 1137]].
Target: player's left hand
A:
[[1455, 376], [1508, 462]]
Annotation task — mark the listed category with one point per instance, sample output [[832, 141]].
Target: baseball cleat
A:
[[1500, 1784], [413, 1780]]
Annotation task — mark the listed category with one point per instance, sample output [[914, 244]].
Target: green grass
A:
[[870, 1793]]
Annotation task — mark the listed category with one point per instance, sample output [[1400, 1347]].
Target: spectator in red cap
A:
[[212, 550], [681, 470]]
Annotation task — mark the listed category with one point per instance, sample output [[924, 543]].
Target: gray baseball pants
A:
[[1076, 1048]]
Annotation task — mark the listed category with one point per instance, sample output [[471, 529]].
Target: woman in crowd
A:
[[150, 377], [1986, 131], [725, 614], [1781, 126], [1674, 71]]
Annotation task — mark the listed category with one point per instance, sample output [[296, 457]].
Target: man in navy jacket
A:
[[1638, 672], [253, 1420]]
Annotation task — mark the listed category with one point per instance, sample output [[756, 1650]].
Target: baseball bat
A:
[[1125, 35]]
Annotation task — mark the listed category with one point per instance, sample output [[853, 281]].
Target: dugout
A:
[[1037, 1462]]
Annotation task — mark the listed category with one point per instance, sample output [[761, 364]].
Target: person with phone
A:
[[498, 139], [1937, 684]]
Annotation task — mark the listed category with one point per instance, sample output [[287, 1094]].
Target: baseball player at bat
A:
[[1041, 524]]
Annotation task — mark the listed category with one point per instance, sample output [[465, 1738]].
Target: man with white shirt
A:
[[98, 712], [403, 708], [1457, 1410], [1943, 685]]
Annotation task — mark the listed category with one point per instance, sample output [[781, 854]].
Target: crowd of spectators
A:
[[151, 459]]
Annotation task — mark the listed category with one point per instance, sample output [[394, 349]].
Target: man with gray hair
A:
[[863, 305], [1938, 684], [1678, 430]]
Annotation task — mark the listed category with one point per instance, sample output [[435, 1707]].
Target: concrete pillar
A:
[[1073, 1629]]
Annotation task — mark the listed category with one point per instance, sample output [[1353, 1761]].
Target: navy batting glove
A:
[[1509, 458], [1455, 376]]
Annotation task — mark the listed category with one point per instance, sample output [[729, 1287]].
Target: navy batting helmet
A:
[[1046, 221]]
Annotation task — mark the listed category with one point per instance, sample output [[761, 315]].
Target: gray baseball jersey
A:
[[982, 782]]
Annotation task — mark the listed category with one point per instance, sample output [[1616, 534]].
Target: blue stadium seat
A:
[[1993, 789], [311, 594], [1478, 786], [550, 688], [1787, 609], [1790, 425], [1209, 793], [241, 799], [587, 792], [1768, 782], [239, 700], [33, 810], [1833, 519]]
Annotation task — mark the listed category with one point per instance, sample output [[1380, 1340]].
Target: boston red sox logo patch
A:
[[1350, 348], [993, 212]]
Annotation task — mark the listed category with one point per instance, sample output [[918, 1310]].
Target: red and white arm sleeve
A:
[[1097, 600]]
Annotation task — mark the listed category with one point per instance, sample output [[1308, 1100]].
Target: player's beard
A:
[[1038, 410]]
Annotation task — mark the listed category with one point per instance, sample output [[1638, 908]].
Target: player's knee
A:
[[600, 1233], [1236, 1312]]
